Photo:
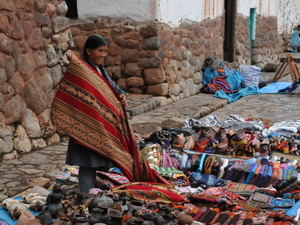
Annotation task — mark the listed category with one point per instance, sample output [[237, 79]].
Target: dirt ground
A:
[[148, 128], [145, 128]]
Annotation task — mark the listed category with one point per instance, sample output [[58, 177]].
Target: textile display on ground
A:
[[87, 108], [274, 87], [5, 216], [236, 171], [224, 82]]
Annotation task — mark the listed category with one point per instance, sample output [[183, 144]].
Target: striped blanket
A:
[[150, 192], [87, 108]]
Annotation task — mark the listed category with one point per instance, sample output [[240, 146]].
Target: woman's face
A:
[[98, 55]]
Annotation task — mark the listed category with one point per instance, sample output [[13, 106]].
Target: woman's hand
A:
[[123, 98]]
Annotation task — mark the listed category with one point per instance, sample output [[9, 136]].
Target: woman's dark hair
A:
[[94, 41]]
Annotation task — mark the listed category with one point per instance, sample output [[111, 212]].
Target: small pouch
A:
[[282, 202], [201, 144], [115, 178], [260, 198]]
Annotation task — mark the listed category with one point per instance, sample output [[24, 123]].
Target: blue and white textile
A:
[[250, 74]]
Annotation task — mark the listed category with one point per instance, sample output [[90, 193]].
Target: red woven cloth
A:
[[87, 108], [150, 192]]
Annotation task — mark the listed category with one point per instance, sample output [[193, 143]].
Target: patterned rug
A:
[[150, 192]]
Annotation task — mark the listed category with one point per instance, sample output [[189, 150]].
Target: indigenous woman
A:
[[90, 108]]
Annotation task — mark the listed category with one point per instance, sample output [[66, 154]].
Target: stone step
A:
[[295, 56]]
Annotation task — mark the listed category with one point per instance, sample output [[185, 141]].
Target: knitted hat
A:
[[221, 135], [179, 142], [240, 135], [209, 133]]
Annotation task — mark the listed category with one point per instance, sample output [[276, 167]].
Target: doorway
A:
[[72, 9], [229, 36]]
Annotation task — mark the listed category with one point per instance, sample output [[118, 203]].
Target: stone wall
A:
[[155, 58], [242, 41], [267, 43], [150, 58], [266, 46], [33, 36]]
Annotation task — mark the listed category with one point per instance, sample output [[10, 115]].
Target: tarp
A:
[[274, 87], [7, 218]]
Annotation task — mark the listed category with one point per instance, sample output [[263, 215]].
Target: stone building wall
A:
[[33, 36], [242, 41], [155, 58], [150, 58], [267, 43]]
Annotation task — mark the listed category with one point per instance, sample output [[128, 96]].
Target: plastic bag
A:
[[250, 74], [295, 40]]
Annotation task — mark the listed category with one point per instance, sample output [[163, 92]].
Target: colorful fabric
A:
[[152, 154], [205, 180], [113, 177], [200, 213], [168, 161], [291, 88], [233, 77], [266, 122], [87, 108], [217, 83], [200, 145], [239, 187], [218, 195], [204, 215], [262, 199], [150, 192], [223, 217]]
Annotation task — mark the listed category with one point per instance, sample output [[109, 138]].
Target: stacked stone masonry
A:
[[149, 58], [154, 58], [34, 35], [267, 43]]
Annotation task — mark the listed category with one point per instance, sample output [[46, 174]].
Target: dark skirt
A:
[[85, 157]]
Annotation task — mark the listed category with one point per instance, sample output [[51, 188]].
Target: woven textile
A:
[[150, 192], [87, 108], [117, 179], [217, 83], [239, 187]]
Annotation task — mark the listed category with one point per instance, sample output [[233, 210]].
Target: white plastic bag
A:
[[295, 40], [250, 74]]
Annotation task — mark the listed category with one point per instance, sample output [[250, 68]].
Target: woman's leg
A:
[[86, 177]]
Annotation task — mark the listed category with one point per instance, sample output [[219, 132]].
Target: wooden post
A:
[[293, 69]]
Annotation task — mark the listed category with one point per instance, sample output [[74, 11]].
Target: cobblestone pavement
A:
[[40, 167], [276, 107]]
